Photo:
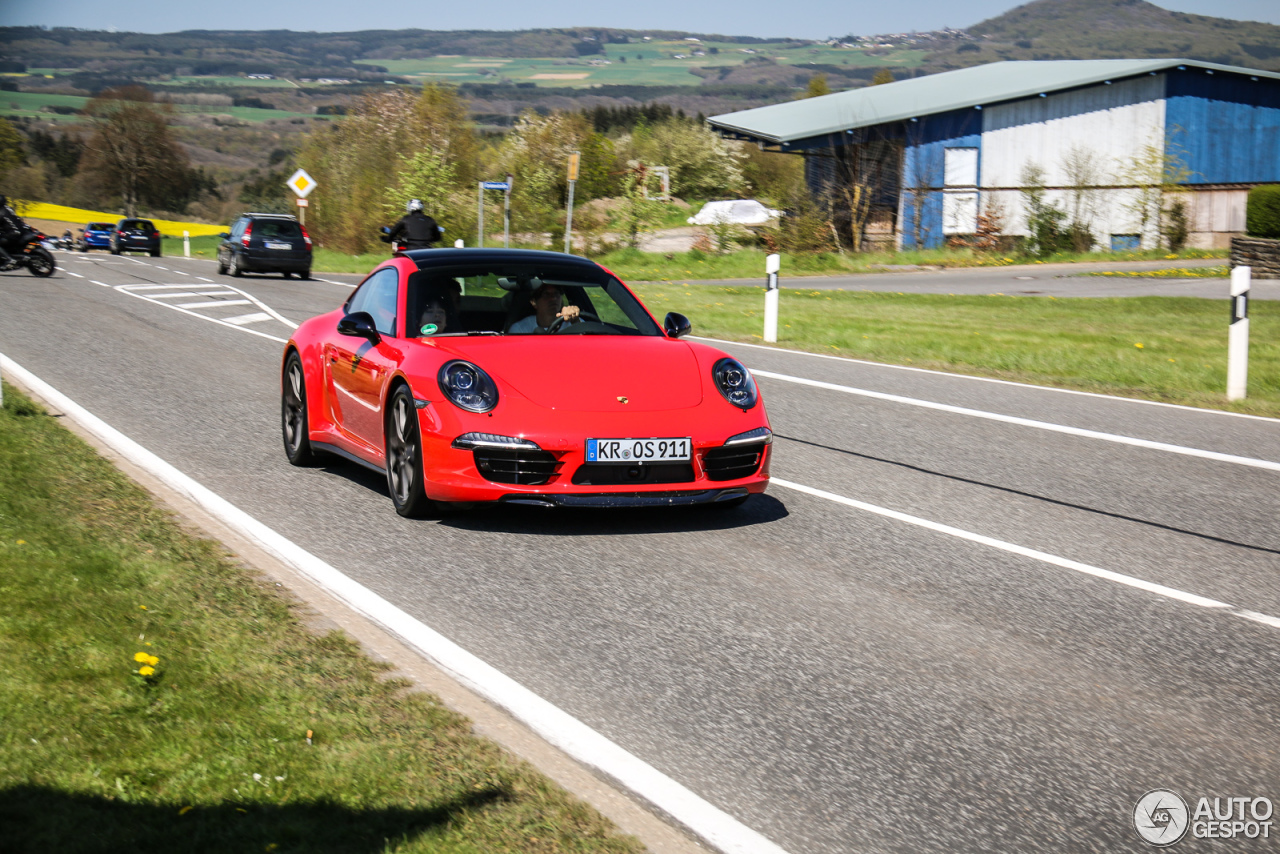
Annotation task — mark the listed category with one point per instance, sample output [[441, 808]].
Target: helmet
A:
[[3, 201], [414, 205]]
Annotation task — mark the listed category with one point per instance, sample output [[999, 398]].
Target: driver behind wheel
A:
[[548, 307]]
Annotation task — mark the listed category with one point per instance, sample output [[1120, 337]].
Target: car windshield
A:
[[519, 299], [99, 226], [137, 225]]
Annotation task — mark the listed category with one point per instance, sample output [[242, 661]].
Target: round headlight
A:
[[735, 383], [467, 386]]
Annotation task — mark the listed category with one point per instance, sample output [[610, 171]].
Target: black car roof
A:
[[476, 255]]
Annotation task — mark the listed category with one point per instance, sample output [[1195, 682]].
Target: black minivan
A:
[[265, 243], [135, 235]]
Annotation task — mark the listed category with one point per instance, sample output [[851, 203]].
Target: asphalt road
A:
[[1007, 666]]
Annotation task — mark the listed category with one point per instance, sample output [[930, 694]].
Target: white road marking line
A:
[[216, 302], [204, 291], [69, 273], [203, 279], [1045, 557], [985, 379], [96, 282], [1027, 422], [332, 282], [721, 830], [258, 317], [201, 316], [174, 295], [158, 267], [180, 273]]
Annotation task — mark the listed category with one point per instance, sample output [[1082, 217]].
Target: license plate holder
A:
[[668, 449], [278, 245]]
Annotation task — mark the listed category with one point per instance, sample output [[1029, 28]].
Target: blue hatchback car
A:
[[96, 235]]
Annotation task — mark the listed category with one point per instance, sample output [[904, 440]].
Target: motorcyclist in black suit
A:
[[11, 225], [415, 230]]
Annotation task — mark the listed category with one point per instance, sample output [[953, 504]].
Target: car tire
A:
[[155, 253], [294, 421], [40, 262], [115, 251], [84, 248], [404, 457], [288, 275], [233, 266], [222, 267], [305, 275]]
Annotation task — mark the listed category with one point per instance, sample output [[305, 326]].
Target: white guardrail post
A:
[[772, 263], [186, 243], [1238, 335]]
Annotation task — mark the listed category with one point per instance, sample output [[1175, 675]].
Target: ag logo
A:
[[1160, 817]]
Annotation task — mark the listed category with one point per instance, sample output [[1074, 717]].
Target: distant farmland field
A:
[[36, 105], [654, 63]]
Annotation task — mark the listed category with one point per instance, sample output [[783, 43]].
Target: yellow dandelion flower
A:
[[1139, 346], [22, 542], [146, 670], [140, 656]]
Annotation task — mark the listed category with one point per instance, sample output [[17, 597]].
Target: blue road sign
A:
[[495, 185]]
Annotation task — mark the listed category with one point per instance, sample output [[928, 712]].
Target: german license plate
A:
[[639, 450], [279, 245]]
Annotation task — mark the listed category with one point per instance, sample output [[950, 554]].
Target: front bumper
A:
[[629, 499]]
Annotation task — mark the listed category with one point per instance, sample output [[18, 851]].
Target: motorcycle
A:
[[28, 252]]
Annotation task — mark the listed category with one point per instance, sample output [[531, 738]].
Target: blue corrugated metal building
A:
[[914, 162]]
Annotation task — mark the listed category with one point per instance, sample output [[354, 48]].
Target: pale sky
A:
[[763, 18]]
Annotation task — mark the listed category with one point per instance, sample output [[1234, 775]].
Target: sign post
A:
[[568, 218], [772, 263], [489, 185], [186, 243], [302, 184], [506, 212], [1238, 334]]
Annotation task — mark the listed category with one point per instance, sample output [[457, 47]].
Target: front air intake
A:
[[733, 461], [524, 467]]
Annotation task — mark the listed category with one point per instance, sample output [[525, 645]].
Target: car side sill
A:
[[347, 455]]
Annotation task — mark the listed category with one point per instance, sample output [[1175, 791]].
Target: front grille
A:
[[596, 474], [733, 461], [526, 467]]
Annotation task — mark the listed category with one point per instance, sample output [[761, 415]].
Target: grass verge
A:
[[1171, 349], [157, 696]]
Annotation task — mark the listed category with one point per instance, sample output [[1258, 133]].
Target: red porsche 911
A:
[[495, 375]]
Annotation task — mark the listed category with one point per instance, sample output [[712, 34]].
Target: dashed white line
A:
[[69, 273], [257, 317], [1027, 422], [203, 279], [96, 282], [1045, 557], [216, 302]]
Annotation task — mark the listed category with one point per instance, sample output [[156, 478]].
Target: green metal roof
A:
[[937, 93]]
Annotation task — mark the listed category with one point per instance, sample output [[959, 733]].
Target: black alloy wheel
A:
[[293, 413], [404, 457]]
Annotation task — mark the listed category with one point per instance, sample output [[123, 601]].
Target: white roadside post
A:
[[186, 243], [1238, 336], [568, 217], [458, 244], [772, 263]]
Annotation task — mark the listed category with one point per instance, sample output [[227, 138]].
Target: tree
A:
[[1045, 220], [1083, 177], [382, 136], [702, 164], [12, 151], [1158, 170], [638, 214], [882, 77], [817, 87], [132, 155]]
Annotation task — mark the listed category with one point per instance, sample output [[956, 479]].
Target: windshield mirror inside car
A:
[[501, 299]]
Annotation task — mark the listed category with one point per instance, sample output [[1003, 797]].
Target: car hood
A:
[[589, 373]]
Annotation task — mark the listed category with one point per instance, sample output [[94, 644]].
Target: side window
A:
[[378, 297], [237, 230]]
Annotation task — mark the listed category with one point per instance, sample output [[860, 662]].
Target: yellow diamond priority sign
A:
[[301, 183]]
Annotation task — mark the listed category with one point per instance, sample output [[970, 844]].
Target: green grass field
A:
[[33, 104], [158, 696]]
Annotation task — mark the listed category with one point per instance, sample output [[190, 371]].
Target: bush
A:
[[1262, 212]]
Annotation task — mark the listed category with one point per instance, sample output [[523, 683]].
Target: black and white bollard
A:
[[1238, 336], [772, 263]]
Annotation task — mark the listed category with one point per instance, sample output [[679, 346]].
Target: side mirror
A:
[[226, 235], [385, 229], [359, 325], [676, 325]]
